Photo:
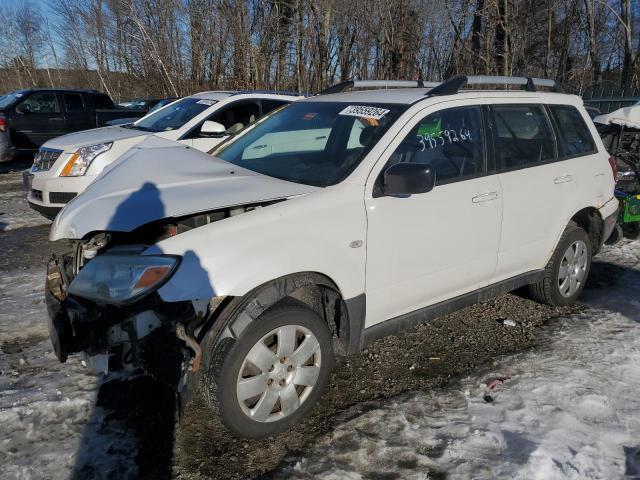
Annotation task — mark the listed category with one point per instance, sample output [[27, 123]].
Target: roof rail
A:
[[453, 86], [274, 92], [342, 86]]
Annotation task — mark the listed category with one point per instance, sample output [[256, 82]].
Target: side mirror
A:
[[212, 129], [404, 179]]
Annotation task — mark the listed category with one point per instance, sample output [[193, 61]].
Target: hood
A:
[[626, 117], [93, 136], [162, 179]]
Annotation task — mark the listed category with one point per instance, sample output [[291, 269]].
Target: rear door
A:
[[427, 248], [79, 115], [537, 188], [37, 118]]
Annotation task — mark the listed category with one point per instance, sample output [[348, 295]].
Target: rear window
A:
[[575, 137], [522, 135]]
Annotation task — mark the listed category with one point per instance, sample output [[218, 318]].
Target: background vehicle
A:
[[150, 105], [37, 115], [65, 166], [620, 131], [329, 224]]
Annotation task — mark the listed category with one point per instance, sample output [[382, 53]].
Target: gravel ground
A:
[[198, 447]]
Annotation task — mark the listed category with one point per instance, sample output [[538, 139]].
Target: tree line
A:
[[175, 47]]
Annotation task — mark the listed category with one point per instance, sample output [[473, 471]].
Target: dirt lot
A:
[[199, 447]]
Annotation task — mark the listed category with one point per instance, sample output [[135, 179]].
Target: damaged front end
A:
[[146, 334], [102, 298]]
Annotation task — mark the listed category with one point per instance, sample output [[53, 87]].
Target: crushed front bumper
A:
[[150, 335]]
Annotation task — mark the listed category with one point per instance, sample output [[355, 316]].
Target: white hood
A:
[[626, 117], [93, 136], [162, 179]]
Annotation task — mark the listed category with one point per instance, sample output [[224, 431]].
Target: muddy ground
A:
[[199, 447]]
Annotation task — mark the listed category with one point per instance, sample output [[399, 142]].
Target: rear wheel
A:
[[566, 273], [274, 373]]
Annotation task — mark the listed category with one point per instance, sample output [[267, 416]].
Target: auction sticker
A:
[[206, 102], [364, 111]]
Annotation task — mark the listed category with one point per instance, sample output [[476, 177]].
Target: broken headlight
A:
[[117, 279]]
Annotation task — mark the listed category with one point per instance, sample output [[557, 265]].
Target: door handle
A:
[[485, 197], [563, 179], [56, 119]]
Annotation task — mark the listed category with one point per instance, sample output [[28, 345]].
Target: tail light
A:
[[614, 168], [3, 124]]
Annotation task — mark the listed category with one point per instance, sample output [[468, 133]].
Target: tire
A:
[[234, 377], [552, 289]]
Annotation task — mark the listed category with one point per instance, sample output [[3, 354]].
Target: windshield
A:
[[315, 143], [9, 99], [174, 116]]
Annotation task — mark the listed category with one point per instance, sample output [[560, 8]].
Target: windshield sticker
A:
[[310, 116], [206, 102], [364, 111]]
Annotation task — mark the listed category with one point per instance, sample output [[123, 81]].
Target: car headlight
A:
[[82, 158], [120, 279]]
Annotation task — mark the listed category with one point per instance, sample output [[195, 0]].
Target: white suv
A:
[[326, 225], [66, 165]]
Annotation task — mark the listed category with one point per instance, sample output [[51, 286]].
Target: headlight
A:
[[82, 158], [121, 278]]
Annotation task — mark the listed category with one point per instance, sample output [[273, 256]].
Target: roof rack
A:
[[453, 86], [342, 86], [274, 92]]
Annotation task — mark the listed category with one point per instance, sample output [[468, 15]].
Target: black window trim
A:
[[556, 127], [377, 186], [498, 165]]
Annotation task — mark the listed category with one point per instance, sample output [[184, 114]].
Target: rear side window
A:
[[450, 141], [102, 101], [73, 102], [575, 137], [522, 135]]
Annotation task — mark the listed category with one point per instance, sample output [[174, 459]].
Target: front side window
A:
[[575, 137], [174, 116], [237, 116], [40, 102], [450, 141], [73, 102], [315, 143], [522, 135]]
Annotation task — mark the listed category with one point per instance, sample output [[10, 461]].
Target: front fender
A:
[[322, 232]]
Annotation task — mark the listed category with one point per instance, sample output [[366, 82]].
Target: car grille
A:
[[61, 197], [44, 159], [37, 194]]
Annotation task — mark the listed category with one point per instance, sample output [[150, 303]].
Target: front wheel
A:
[[566, 273], [274, 373]]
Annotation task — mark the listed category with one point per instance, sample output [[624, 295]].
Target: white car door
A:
[[423, 249], [539, 190]]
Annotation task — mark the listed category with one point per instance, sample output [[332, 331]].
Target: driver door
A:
[[426, 248], [38, 118]]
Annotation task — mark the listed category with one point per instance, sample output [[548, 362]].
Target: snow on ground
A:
[[569, 409], [14, 210], [49, 425]]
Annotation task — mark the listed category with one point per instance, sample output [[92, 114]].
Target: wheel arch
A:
[[344, 317], [590, 220]]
